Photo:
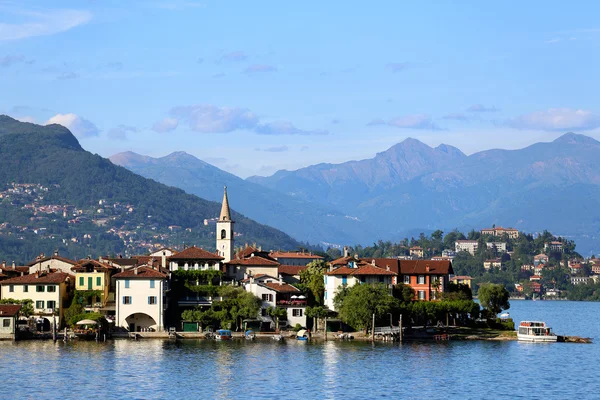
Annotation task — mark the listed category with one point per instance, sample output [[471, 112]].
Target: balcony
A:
[[291, 303]]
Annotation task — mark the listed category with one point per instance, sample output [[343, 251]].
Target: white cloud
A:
[[207, 118], [79, 126], [165, 125], [41, 23], [413, 121], [556, 119], [285, 128]]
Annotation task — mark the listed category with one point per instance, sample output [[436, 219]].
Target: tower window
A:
[[223, 233]]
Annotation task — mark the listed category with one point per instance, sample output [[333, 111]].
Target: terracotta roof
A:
[[9, 310], [37, 260], [96, 265], [256, 260], [291, 269], [342, 260], [281, 287], [362, 270], [124, 262], [56, 277], [246, 252], [461, 278], [384, 263], [540, 256], [19, 269], [195, 253], [293, 254], [142, 273], [424, 267]]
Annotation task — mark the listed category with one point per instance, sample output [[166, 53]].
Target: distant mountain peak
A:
[[575, 138]]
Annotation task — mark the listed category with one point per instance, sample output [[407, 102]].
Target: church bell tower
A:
[[225, 246]]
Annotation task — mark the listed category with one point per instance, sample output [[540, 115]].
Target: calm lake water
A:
[[125, 369]]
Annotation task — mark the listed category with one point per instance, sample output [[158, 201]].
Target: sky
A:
[[254, 87]]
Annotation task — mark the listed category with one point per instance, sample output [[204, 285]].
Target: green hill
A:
[[106, 209]]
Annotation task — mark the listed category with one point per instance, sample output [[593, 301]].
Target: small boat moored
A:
[[223, 334], [250, 335], [535, 331], [303, 334]]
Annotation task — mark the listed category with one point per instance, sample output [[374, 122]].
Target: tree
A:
[[277, 313], [312, 278], [493, 297], [360, 302], [316, 313], [27, 309], [404, 293]]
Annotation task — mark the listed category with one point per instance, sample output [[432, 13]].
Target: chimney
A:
[[373, 262], [280, 279], [427, 268], [135, 270], [387, 267], [56, 252], [14, 265], [346, 251], [3, 263]]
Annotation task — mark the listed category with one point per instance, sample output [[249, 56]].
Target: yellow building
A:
[[461, 280], [94, 275]]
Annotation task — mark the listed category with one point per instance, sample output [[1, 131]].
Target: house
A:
[[276, 293], [12, 271], [416, 251], [195, 258], [49, 291], [466, 245], [298, 258], [528, 267], [536, 287], [290, 273], [241, 268], [54, 262], [538, 269], [491, 264], [596, 268], [499, 231], [8, 321], [461, 280], [352, 274], [574, 267], [448, 253], [499, 246], [140, 299], [163, 254], [580, 280], [553, 247], [535, 278], [95, 275], [442, 258], [426, 277], [540, 258]]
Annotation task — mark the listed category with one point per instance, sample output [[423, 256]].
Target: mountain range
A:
[[76, 179], [412, 187]]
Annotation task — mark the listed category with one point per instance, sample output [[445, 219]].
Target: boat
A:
[[278, 338], [223, 334], [535, 331], [250, 335], [303, 334]]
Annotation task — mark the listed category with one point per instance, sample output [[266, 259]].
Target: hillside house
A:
[[470, 246]]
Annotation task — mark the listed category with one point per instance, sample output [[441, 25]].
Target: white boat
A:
[[535, 331]]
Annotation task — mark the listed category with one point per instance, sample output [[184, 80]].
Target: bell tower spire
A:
[[225, 243]]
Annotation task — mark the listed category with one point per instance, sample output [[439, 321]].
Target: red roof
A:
[[9, 310], [96, 265], [460, 278], [342, 260], [56, 277], [291, 269], [392, 263], [361, 270], [142, 273], [281, 287], [195, 253], [256, 260], [9, 269], [293, 254], [424, 267], [246, 252]]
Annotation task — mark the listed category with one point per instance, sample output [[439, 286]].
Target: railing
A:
[[291, 302]]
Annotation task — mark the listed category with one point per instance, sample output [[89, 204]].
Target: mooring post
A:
[[400, 326]]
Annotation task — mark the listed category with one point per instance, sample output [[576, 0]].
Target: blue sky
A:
[[253, 87]]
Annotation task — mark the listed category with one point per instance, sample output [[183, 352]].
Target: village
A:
[[168, 290]]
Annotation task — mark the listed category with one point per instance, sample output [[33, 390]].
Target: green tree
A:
[[404, 293], [360, 302], [312, 279], [316, 313], [277, 313], [27, 309], [493, 297]]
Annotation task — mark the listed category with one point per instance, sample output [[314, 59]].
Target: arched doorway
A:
[[140, 322], [42, 324]]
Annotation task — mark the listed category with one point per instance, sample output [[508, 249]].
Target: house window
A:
[[98, 281], [263, 312], [126, 283], [325, 280], [421, 295], [81, 280], [152, 284], [407, 279], [151, 299], [39, 304], [344, 280], [267, 297], [380, 279], [51, 304], [51, 288], [11, 288], [421, 280], [325, 295], [362, 279], [126, 299], [6, 323], [297, 312], [25, 288], [39, 288]]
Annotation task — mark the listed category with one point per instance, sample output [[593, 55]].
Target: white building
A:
[[500, 246], [53, 262], [140, 299], [466, 245], [225, 234], [276, 293], [295, 258]]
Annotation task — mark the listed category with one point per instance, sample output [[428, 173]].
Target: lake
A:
[[126, 369]]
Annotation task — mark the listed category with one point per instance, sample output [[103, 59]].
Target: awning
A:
[[86, 322]]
